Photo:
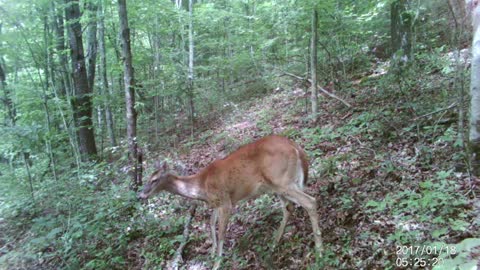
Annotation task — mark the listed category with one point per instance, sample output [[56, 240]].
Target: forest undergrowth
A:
[[389, 175]]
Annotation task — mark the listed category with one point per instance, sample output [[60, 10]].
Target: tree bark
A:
[[92, 48], [190, 62], [474, 138], [459, 10], [156, 71], [313, 60], [103, 75], [7, 99], [82, 100], [26, 158], [62, 86], [48, 78], [401, 26], [92, 43], [135, 167], [58, 24]]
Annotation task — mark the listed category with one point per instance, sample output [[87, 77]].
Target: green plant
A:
[[459, 256]]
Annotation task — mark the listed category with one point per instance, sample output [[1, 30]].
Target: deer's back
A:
[[269, 163]]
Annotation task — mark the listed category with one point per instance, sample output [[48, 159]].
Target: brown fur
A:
[[270, 163]]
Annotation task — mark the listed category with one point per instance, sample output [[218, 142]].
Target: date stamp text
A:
[[422, 255]]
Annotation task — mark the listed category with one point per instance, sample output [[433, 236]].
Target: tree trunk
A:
[[460, 13], [26, 161], [474, 138], [401, 26], [190, 62], [313, 61], [7, 99], [82, 100], [48, 63], [91, 43], [156, 72], [62, 86], [92, 48], [103, 75], [135, 167], [459, 10], [58, 24]]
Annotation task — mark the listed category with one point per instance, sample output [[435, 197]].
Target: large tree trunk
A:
[[82, 100], [91, 43], [313, 60], [62, 84], [135, 167], [92, 47], [103, 76], [474, 137], [58, 24], [401, 26]]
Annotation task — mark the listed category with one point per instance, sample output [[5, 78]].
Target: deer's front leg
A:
[[213, 224], [223, 216]]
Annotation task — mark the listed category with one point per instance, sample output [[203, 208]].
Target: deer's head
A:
[[157, 182]]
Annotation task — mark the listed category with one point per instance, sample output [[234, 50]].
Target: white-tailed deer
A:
[[272, 163]]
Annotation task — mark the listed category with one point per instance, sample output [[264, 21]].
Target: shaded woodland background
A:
[[95, 92]]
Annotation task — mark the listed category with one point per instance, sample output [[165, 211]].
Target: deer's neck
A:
[[187, 186]]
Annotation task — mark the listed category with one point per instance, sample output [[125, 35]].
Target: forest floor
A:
[[388, 174]]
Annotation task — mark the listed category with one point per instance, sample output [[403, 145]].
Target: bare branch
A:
[[321, 89]]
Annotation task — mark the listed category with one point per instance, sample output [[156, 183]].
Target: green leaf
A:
[[53, 233], [439, 232], [426, 184], [372, 204], [444, 174], [459, 225]]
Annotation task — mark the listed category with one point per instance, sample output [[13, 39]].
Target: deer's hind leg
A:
[[224, 212], [213, 225], [286, 208], [297, 196]]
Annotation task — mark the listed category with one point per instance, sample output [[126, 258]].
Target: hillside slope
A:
[[387, 174]]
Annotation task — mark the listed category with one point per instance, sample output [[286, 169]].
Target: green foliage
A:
[[366, 122], [329, 166], [83, 224], [315, 136], [87, 218], [263, 124], [458, 256], [328, 259], [436, 201]]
